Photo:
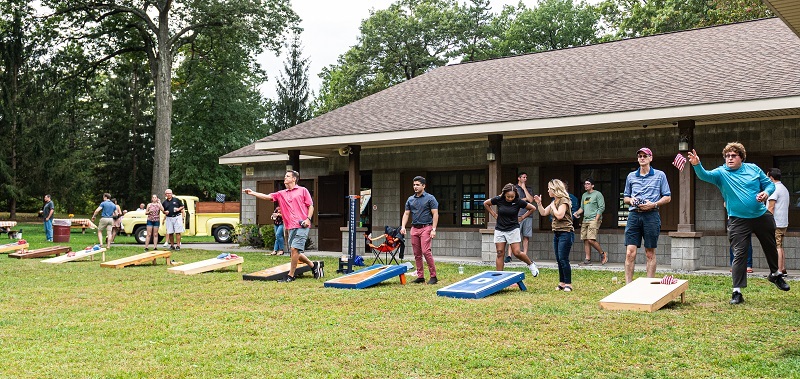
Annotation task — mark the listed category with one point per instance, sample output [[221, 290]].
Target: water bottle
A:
[[461, 270]]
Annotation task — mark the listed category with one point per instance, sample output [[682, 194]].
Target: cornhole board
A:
[[80, 254], [207, 265], [43, 252], [14, 246], [138, 259], [280, 272], [369, 276], [483, 284], [645, 294]]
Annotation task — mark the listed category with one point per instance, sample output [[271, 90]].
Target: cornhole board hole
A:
[[207, 265], [80, 254], [279, 272], [645, 294], [138, 259], [369, 276], [39, 253], [483, 284], [14, 246]]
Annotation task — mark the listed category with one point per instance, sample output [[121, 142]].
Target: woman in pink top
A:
[[153, 212]]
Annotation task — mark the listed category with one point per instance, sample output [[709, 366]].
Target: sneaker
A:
[[178, 248], [534, 269], [317, 270], [777, 279], [433, 280], [287, 279], [419, 280], [508, 259], [146, 249], [171, 247], [737, 298], [585, 262]]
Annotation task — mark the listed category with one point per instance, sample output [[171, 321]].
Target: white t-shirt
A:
[[781, 197]]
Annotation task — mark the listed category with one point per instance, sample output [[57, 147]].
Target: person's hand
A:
[[647, 205], [403, 231], [248, 191], [694, 159], [762, 196], [537, 199], [433, 233]]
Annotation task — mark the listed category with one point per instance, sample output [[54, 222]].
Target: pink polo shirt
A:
[[294, 205]]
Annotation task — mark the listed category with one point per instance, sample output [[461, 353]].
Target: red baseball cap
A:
[[645, 150]]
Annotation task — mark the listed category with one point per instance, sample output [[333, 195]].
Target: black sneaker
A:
[[777, 279], [508, 259], [737, 298], [171, 247], [419, 280], [287, 279], [178, 248], [433, 280], [146, 249], [317, 270]]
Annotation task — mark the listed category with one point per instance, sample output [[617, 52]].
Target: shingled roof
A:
[[741, 62]]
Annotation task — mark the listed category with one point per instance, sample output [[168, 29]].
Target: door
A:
[[332, 214]]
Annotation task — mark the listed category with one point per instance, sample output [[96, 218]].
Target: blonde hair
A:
[[559, 191], [735, 147]]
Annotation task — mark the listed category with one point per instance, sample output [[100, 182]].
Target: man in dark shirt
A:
[[47, 212], [173, 208], [423, 209]]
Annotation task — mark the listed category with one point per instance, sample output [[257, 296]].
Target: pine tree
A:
[[292, 105]]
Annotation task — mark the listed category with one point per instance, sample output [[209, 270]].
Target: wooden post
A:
[[686, 182], [294, 160], [495, 171], [354, 170]]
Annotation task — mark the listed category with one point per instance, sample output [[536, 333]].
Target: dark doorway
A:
[[332, 211]]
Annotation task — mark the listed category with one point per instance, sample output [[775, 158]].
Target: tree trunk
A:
[[163, 83]]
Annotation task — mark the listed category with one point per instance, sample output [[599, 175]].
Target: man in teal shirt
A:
[[744, 188], [592, 206]]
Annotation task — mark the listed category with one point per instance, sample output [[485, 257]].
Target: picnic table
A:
[[5, 226], [83, 224]]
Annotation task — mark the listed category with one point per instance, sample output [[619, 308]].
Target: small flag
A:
[[679, 161], [669, 279], [220, 197]]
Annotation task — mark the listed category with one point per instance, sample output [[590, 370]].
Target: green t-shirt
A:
[[593, 203]]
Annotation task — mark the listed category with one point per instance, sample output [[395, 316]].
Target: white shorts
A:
[[174, 224], [507, 237]]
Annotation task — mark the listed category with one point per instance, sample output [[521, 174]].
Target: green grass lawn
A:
[[83, 321]]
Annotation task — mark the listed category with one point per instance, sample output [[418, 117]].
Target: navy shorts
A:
[[643, 225], [153, 223]]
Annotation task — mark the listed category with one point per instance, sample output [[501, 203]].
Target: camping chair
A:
[[390, 248]]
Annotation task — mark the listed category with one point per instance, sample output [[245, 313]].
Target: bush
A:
[[258, 236]]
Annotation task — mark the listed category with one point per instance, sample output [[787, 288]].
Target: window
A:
[[790, 177], [461, 195]]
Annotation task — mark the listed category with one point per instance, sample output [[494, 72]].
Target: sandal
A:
[[604, 260], [567, 288], [273, 252], [749, 270], [280, 253], [585, 262], [559, 288]]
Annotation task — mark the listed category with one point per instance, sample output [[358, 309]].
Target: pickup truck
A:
[[199, 219]]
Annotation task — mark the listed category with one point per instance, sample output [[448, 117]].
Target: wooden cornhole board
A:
[[483, 284], [138, 259], [369, 276], [645, 294], [279, 272], [207, 265], [14, 246], [43, 252], [80, 254]]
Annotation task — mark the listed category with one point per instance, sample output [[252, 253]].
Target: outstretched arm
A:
[[259, 195]]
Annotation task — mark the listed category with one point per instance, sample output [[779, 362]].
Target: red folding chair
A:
[[390, 248]]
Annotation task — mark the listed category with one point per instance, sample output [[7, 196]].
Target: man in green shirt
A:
[[592, 209]]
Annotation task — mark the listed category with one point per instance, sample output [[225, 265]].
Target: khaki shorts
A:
[[106, 223], [779, 233], [589, 229]]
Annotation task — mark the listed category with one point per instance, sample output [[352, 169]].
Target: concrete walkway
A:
[[610, 266]]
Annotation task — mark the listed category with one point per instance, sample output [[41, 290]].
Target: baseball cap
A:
[[645, 150]]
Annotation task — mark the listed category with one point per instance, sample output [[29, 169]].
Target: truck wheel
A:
[[222, 234], [140, 234]]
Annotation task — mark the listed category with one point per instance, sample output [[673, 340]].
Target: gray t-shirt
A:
[[781, 197], [46, 210]]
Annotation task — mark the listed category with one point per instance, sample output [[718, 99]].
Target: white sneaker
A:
[[534, 269]]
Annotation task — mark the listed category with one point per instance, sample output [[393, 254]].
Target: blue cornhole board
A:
[[367, 277], [483, 284]]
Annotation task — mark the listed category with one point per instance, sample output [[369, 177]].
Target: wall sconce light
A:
[[683, 143], [490, 156], [289, 167]]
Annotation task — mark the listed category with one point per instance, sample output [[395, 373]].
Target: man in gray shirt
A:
[[47, 212], [778, 205]]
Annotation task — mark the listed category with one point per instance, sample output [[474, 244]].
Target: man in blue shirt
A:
[[744, 188], [646, 189], [423, 209], [107, 209]]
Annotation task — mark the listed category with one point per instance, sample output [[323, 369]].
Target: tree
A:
[[159, 29], [291, 107], [478, 30]]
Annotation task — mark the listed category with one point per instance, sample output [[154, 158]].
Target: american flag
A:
[[669, 279], [679, 161]]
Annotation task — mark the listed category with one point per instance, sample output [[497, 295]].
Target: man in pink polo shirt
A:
[[296, 209]]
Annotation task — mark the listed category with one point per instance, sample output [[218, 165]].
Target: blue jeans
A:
[[562, 244], [749, 255], [48, 229], [278, 238]]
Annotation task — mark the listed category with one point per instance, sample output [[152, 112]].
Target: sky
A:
[[329, 29]]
